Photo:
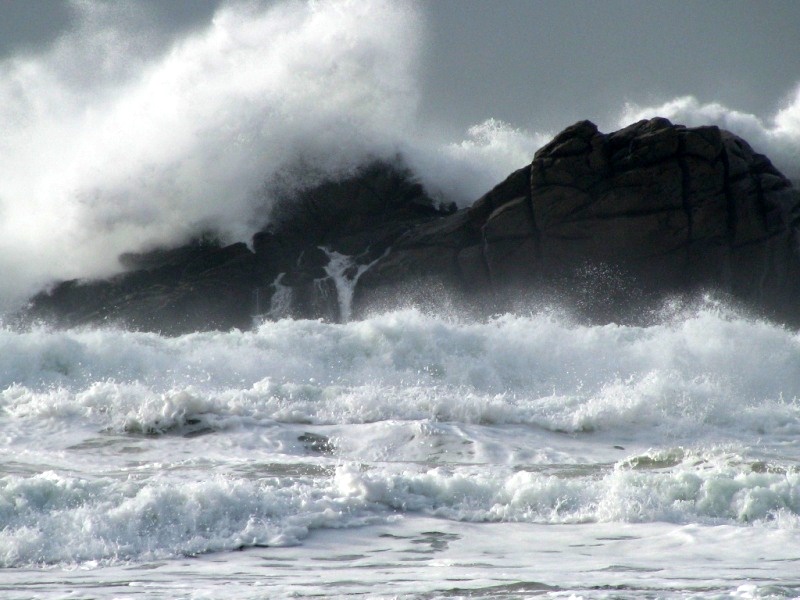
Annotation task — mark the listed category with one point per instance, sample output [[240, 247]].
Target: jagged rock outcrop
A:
[[608, 224], [611, 224]]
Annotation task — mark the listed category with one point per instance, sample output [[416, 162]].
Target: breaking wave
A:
[[203, 133], [537, 369], [50, 518]]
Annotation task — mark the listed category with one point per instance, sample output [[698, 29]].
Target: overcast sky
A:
[[553, 62], [542, 64]]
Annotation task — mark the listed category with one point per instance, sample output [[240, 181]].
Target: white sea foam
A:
[[122, 447], [52, 518], [672, 377]]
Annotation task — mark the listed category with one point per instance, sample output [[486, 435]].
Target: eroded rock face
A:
[[607, 224]]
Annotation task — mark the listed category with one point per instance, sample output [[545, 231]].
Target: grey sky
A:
[[552, 62], [541, 65], [28, 24]]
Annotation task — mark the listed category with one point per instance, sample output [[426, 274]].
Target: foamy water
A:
[[404, 440], [402, 456]]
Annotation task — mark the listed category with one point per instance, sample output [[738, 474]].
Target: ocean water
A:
[[405, 455]]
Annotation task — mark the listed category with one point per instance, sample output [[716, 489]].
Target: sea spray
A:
[[154, 153], [140, 154]]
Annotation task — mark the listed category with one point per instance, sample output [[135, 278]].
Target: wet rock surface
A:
[[607, 224]]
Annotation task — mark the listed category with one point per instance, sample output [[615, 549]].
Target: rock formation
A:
[[612, 224], [607, 224]]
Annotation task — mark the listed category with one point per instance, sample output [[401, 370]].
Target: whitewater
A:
[[406, 455]]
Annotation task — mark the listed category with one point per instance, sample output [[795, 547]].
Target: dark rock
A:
[[607, 224], [205, 289], [656, 209], [314, 442], [176, 257]]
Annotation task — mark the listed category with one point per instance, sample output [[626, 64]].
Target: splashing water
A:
[[345, 273], [144, 153]]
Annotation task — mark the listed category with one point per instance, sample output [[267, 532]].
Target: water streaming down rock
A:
[[345, 272], [332, 294], [324, 300], [280, 304]]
